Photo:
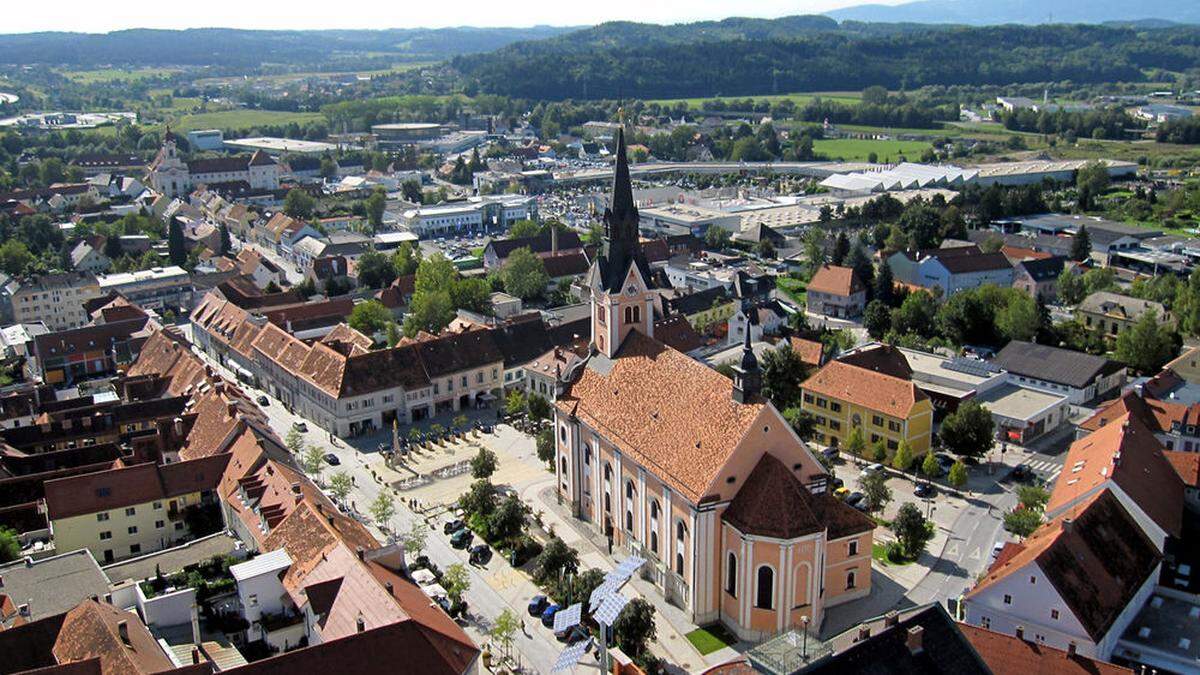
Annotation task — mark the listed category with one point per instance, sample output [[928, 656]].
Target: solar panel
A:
[[630, 565], [568, 617], [571, 655], [970, 366], [602, 591], [610, 609]]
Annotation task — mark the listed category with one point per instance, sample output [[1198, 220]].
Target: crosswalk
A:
[[1045, 469]]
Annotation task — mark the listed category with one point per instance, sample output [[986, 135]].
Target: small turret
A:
[[747, 378]]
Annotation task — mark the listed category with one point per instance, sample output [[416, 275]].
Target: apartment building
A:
[[54, 299], [891, 409]]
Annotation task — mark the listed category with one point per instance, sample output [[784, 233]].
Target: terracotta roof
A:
[[91, 630], [1160, 416], [872, 390], [221, 411], [565, 265], [1186, 464], [1096, 557], [670, 413], [1009, 655], [811, 352], [1127, 453], [227, 323], [1016, 253], [836, 281], [129, 486], [774, 503], [677, 333]]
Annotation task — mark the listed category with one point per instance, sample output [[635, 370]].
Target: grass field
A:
[[794, 288], [709, 640], [285, 77], [241, 119], [848, 97], [858, 150], [116, 74]]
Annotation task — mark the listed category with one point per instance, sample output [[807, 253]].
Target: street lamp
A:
[[804, 620]]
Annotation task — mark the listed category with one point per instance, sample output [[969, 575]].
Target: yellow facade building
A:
[[890, 409]]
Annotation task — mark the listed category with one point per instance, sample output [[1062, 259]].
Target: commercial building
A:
[[477, 214], [951, 269], [205, 140], [158, 288], [279, 146], [1078, 376], [54, 299], [408, 133], [1022, 415]]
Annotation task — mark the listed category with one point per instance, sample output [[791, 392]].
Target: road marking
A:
[[953, 550], [974, 554]]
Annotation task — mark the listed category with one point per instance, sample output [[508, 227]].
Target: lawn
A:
[[847, 97], [709, 640], [242, 119], [879, 554], [859, 149], [794, 288]]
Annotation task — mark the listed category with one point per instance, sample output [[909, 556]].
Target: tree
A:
[[298, 204], [782, 373], [514, 403], [376, 205], [1081, 245], [841, 248], [717, 237], [504, 628], [539, 407], [635, 627], [382, 508], [1033, 497], [483, 465], [545, 445], [312, 460], [594, 235], [885, 285], [407, 259], [524, 229], [556, 560], [1018, 319], [456, 581], [226, 240], [369, 317], [969, 430], [877, 319], [15, 257], [911, 530], [814, 249], [375, 269], [903, 459], [856, 443], [1146, 346], [878, 452], [1022, 521], [801, 422], [930, 466], [479, 499], [340, 485], [415, 538], [428, 311], [874, 487], [958, 475], [329, 168], [524, 274], [410, 190], [10, 545], [294, 441], [176, 249], [508, 520], [1070, 287]]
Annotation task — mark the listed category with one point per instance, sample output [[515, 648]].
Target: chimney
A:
[[864, 632], [553, 240], [1067, 523], [1020, 632], [1071, 649], [361, 552], [388, 586], [891, 619], [179, 427], [360, 624], [915, 641], [108, 598], [123, 631], [195, 656]]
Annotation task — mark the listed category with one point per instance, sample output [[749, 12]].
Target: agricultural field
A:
[[283, 78], [241, 119], [117, 74], [859, 150], [847, 97]]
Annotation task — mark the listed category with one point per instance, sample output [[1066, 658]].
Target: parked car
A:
[[837, 482], [924, 490], [841, 492], [830, 454], [300, 426], [854, 498], [872, 468], [453, 526], [996, 548], [572, 635], [461, 538], [548, 615], [262, 400], [538, 604], [332, 459], [944, 462], [480, 555], [1021, 472]]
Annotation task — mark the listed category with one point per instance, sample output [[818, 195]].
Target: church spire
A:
[[622, 215], [747, 378]]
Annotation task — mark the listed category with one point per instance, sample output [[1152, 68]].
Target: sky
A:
[[99, 17]]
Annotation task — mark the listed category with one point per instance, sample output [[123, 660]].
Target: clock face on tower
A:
[[631, 290]]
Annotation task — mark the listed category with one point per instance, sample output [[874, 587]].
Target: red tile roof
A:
[[774, 503], [170, 357], [129, 486], [1095, 556], [91, 631], [1126, 452], [1187, 465], [872, 390], [811, 352], [1009, 655], [836, 281]]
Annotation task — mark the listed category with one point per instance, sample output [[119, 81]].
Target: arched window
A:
[[766, 588], [654, 509], [637, 314], [731, 574], [850, 579], [629, 521], [679, 531], [562, 434], [628, 315], [679, 563], [628, 489], [587, 455], [653, 542], [563, 463], [607, 471], [607, 503]]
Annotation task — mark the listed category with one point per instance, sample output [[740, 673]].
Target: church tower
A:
[[620, 279], [168, 172]]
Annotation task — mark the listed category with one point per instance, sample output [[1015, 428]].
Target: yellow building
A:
[[132, 510], [891, 409]]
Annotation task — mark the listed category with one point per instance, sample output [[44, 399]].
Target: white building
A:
[[475, 214]]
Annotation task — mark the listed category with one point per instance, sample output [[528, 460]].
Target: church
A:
[[697, 473], [170, 175]]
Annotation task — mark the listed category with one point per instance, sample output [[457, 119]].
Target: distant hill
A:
[[250, 48], [739, 57], [993, 12]]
